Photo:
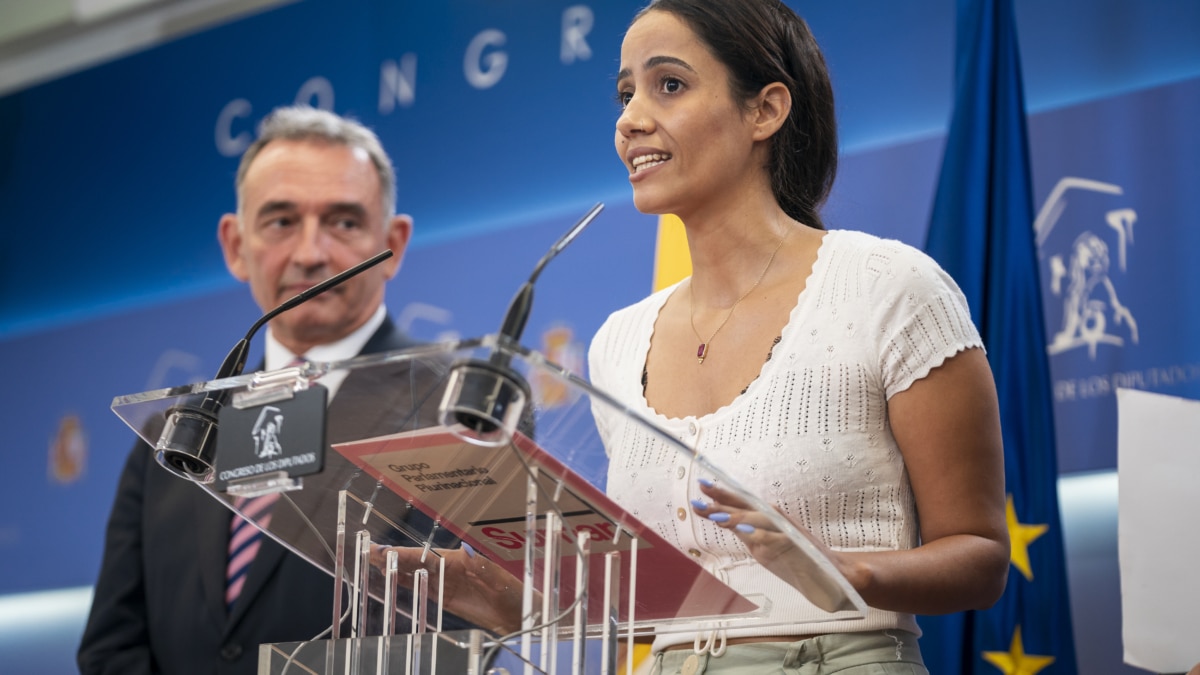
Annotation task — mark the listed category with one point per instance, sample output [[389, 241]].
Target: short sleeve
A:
[[923, 316]]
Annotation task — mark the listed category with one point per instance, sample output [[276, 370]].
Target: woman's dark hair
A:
[[764, 41]]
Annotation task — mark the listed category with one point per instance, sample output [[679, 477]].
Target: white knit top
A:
[[810, 434]]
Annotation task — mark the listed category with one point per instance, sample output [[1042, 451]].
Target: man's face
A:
[[310, 210]]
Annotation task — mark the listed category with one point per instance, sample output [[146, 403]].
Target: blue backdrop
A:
[[500, 118]]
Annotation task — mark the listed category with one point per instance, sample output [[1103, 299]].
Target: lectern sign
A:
[[281, 436], [479, 494]]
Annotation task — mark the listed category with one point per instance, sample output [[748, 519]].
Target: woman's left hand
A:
[[771, 547], [948, 430]]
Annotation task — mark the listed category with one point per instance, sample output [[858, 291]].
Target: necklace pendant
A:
[[701, 353]]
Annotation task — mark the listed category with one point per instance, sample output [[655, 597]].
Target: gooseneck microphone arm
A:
[[236, 360], [518, 310], [187, 445], [485, 399]]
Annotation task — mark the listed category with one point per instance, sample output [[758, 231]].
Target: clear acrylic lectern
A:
[[422, 455]]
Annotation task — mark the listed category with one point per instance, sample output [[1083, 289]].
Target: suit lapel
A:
[[348, 418], [367, 404], [212, 524], [371, 400]]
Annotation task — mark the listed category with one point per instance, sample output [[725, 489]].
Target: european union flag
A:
[[981, 232]]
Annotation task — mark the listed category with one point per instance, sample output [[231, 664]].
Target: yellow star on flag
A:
[[1016, 661], [1021, 536]]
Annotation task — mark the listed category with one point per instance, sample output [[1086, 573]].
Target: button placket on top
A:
[[684, 491]]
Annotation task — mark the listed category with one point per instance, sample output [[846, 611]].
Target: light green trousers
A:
[[872, 653]]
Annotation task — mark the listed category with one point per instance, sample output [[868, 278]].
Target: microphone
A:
[[518, 310], [187, 445], [487, 398]]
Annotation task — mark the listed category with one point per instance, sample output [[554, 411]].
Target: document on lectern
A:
[[479, 494]]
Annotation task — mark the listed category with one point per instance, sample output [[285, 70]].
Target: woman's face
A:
[[681, 135]]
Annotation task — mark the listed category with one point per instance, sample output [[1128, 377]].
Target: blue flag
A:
[[981, 232]]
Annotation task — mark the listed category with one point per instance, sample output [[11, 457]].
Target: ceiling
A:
[[44, 39]]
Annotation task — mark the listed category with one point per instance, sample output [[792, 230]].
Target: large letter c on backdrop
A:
[[228, 144]]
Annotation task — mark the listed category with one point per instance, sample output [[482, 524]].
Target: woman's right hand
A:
[[476, 589]]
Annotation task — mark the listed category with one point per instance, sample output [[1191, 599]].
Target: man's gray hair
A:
[[304, 123]]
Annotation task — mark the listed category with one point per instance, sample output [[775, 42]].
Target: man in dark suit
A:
[[316, 195]]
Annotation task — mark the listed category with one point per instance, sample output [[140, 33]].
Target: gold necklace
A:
[[702, 351]]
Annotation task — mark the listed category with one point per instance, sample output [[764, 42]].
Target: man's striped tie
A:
[[244, 538], [244, 542]]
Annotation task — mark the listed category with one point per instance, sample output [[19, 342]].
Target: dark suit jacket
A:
[[159, 600]]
